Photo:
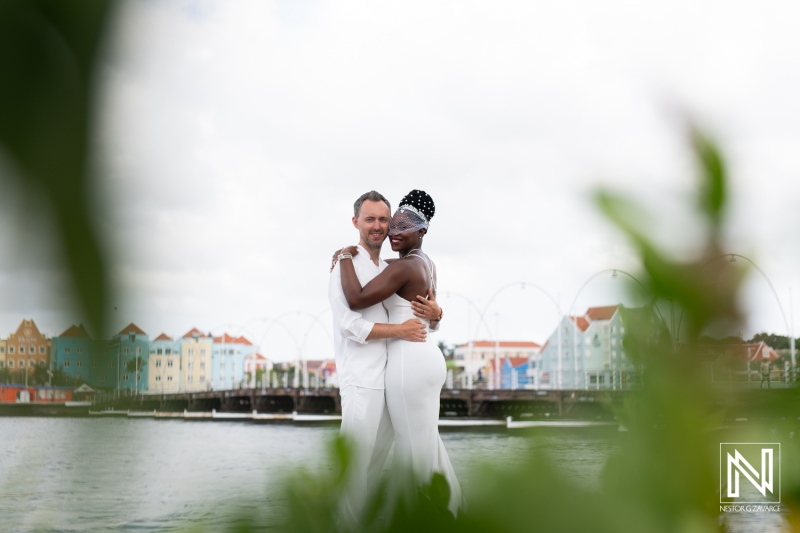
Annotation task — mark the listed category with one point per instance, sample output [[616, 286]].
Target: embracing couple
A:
[[390, 373]]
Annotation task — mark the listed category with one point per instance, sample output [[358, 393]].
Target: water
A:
[[144, 475]]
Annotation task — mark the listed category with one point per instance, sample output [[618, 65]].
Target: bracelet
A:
[[344, 256]]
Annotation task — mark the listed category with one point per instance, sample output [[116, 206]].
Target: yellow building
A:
[[196, 349], [165, 365], [2, 353]]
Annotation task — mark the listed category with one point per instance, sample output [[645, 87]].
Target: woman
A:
[[415, 371]]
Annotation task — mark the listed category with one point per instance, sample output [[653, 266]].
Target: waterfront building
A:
[[72, 354], [476, 360], [27, 347], [228, 361], [514, 373], [3, 353], [195, 361], [587, 352], [165, 364], [256, 369], [125, 365]]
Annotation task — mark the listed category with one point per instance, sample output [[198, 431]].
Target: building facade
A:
[[164, 374], [586, 352], [27, 347], [228, 361], [125, 365], [195, 361], [72, 354], [475, 361]]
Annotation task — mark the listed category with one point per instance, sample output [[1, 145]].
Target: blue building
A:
[[228, 361], [125, 365], [588, 352], [72, 354]]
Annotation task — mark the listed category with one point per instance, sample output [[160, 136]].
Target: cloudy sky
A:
[[234, 136]]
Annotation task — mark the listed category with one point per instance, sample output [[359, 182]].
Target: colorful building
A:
[[27, 347], [195, 361], [165, 364], [72, 354], [476, 360], [587, 352], [124, 366], [228, 361]]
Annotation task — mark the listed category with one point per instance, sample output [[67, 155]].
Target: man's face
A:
[[372, 223]]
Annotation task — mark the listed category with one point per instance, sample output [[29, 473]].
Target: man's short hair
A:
[[373, 196]]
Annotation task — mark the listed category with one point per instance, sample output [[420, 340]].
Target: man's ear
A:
[[355, 222]]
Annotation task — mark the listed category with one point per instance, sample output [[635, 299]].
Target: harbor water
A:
[[119, 474]]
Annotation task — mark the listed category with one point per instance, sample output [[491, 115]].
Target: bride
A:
[[415, 371]]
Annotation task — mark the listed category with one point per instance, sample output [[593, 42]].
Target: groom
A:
[[360, 348]]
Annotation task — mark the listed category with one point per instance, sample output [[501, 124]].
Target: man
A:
[[361, 354]]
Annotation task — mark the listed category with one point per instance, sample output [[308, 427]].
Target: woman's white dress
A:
[[415, 374]]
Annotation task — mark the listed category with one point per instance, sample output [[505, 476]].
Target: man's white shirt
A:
[[358, 362]]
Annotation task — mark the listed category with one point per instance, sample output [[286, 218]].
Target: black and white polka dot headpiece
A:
[[415, 212]]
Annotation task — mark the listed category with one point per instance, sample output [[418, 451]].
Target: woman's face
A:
[[402, 235]]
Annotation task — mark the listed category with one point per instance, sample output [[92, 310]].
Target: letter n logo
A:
[[748, 473]]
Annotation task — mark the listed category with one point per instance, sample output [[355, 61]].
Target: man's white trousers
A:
[[366, 424]]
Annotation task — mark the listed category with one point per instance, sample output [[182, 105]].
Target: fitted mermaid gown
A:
[[415, 374]]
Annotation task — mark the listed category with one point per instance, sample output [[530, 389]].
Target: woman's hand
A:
[[352, 250], [427, 307]]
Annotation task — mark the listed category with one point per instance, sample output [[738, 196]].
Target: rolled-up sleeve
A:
[[350, 323]]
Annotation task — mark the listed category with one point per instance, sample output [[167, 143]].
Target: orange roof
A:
[[515, 361], [163, 337], [256, 356], [76, 332], [228, 339], [502, 344], [132, 328], [194, 332], [601, 313], [749, 352], [581, 321]]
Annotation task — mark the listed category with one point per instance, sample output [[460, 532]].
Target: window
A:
[[613, 341], [41, 349], [124, 377], [202, 351], [67, 350], [10, 349], [169, 363], [189, 379], [158, 363], [66, 364], [110, 365], [169, 378], [22, 363], [2, 364], [189, 366], [80, 350], [10, 363], [168, 351], [79, 364], [126, 350], [202, 366], [191, 352], [159, 351], [158, 378], [2, 349], [138, 349], [31, 349]]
